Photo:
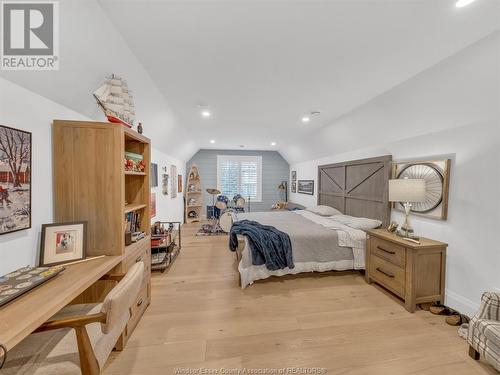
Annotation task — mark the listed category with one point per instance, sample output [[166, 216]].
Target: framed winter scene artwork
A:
[[15, 180]]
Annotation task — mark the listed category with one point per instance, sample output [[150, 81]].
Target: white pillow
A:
[[362, 223], [324, 210]]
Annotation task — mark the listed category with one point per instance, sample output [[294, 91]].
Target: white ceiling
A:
[[261, 65]]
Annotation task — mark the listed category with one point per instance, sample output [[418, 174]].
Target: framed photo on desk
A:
[[62, 243]]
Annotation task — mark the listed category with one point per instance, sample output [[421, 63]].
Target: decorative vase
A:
[[139, 128]]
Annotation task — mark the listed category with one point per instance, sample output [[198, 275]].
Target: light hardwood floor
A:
[[199, 318]]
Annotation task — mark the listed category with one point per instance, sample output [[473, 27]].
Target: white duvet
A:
[[348, 237]]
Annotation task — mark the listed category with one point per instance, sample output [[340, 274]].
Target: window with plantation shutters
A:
[[240, 175]]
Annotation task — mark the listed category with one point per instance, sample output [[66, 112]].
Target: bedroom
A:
[[284, 108]]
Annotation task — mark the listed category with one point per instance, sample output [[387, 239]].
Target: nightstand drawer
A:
[[395, 254], [388, 274], [413, 271]]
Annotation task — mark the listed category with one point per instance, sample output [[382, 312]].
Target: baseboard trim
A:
[[461, 304]]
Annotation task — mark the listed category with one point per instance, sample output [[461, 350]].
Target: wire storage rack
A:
[[165, 244]]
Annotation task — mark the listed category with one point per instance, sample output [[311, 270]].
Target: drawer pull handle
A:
[[139, 303], [138, 259], [385, 273], [385, 250]]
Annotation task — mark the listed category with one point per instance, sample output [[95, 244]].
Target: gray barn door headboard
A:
[[357, 188]]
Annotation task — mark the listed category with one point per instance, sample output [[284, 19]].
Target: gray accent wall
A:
[[274, 170]]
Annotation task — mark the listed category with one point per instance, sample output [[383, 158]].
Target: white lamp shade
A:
[[407, 190]]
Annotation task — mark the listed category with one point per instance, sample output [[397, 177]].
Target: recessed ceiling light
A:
[[273, 143], [205, 113], [212, 141], [463, 3], [306, 119]]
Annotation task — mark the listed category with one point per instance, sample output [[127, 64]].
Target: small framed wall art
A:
[[173, 188], [179, 183], [305, 187], [153, 205], [436, 174], [154, 175], [164, 184], [62, 243], [294, 182]]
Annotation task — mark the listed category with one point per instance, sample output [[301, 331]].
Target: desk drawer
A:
[[138, 308], [143, 254], [389, 251], [146, 258], [388, 274]]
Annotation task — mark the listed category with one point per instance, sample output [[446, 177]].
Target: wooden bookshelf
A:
[[193, 196], [133, 207], [91, 184], [134, 246]]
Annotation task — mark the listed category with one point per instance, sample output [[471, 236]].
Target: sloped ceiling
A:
[[462, 90], [259, 65], [90, 49]]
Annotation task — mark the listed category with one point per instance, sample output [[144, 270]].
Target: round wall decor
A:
[[434, 182]]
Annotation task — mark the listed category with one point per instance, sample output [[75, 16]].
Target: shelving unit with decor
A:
[[193, 196], [92, 183], [165, 247]]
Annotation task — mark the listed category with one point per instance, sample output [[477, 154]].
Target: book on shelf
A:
[[134, 156], [133, 221]]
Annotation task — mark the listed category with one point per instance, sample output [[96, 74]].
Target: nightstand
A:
[[414, 272]]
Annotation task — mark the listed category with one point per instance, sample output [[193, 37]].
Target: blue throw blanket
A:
[[268, 245]]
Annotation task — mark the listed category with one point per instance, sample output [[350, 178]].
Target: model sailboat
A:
[[115, 100]]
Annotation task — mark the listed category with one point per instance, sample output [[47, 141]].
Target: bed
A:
[[358, 189]]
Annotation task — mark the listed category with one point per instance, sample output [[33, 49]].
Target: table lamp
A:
[[407, 191]]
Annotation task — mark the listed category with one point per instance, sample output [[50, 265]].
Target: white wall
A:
[[451, 110], [168, 208], [23, 109]]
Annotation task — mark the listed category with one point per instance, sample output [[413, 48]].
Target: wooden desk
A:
[[23, 315]]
